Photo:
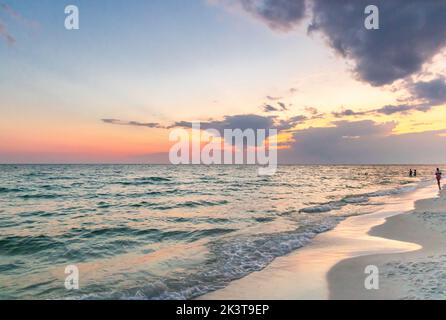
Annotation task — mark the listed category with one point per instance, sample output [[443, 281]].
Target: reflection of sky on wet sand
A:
[[303, 274]]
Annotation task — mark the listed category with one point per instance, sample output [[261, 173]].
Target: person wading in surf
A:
[[438, 176]]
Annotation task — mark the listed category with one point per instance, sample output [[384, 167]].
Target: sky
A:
[[112, 91]]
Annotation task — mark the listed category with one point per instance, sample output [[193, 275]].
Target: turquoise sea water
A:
[[169, 232]]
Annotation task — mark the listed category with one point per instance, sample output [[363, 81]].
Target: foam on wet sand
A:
[[406, 243], [419, 274]]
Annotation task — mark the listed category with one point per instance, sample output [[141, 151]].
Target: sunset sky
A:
[[109, 92]]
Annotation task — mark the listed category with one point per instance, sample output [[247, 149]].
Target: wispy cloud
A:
[[347, 113], [132, 123], [424, 96], [269, 108], [6, 35], [271, 98], [282, 106], [240, 121], [16, 16], [385, 110]]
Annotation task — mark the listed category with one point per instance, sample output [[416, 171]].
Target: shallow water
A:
[[168, 232]]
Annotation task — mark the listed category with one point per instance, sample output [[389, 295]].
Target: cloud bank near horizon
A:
[[364, 142], [354, 142]]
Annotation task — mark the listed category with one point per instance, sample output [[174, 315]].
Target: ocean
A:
[[170, 232]]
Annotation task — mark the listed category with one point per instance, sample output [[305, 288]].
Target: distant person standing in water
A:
[[410, 173], [438, 176], [415, 172]]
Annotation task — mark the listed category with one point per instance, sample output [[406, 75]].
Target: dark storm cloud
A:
[[132, 123], [363, 142], [281, 15], [432, 92], [411, 33]]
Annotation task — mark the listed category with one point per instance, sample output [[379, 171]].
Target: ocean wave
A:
[[26, 214], [154, 193], [5, 268], [264, 219], [109, 232], [356, 199], [153, 235], [232, 259], [200, 220], [186, 204], [21, 245], [36, 174], [144, 181], [395, 191], [55, 177], [156, 179], [200, 203], [40, 196], [10, 190], [320, 208]]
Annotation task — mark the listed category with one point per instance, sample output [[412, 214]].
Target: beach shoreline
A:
[[332, 266], [415, 274]]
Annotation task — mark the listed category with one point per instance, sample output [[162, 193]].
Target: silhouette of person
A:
[[410, 173], [438, 176]]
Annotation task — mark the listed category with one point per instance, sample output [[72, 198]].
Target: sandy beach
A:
[[418, 274], [405, 241]]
